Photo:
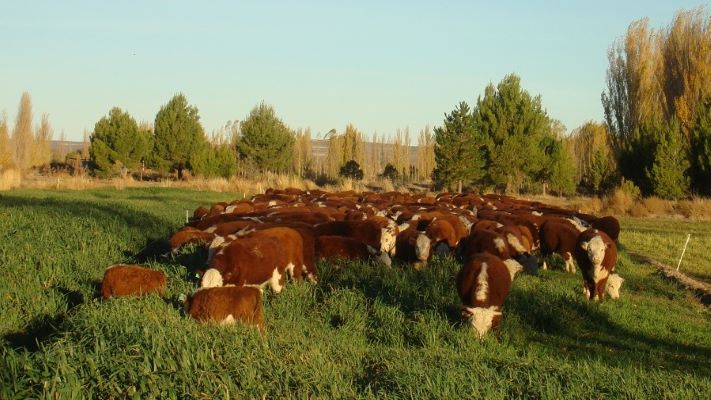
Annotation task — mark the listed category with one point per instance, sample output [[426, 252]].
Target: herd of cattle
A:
[[257, 243]]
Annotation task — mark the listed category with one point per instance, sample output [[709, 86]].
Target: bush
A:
[[623, 198], [351, 169], [390, 172], [696, 208], [656, 205]]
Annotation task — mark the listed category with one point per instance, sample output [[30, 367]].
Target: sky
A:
[[380, 65]]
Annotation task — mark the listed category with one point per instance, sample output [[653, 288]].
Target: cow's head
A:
[[513, 266], [384, 259], [211, 278], [387, 239], [481, 319], [422, 247], [596, 249], [613, 285]]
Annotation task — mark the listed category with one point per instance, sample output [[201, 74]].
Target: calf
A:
[[596, 255], [483, 284], [609, 224], [228, 304], [559, 238], [127, 280]]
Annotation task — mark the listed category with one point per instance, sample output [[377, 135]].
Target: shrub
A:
[[656, 205], [351, 169], [696, 208]]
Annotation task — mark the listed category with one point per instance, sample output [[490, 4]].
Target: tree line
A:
[[656, 133]]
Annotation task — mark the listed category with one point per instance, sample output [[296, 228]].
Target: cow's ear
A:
[[585, 245]]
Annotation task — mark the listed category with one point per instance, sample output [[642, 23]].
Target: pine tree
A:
[[513, 124], [266, 142], [117, 145], [701, 150], [669, 171], [458, 150], [178, 135]]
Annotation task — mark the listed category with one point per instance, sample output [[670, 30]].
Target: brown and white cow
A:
[[596, 255], [413, 246], [342, 247], [131, 280], [227, 305], [559, 238], [483, 284]]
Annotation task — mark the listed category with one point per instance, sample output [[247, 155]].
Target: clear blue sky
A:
[[381, 65]]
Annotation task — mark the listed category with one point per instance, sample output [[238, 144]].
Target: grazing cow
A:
[[370, 232], [259, 259], [128, 280], [559, 238], [187, 235], [413, 246], [484, 241], [518, 245], [228, 304], [343, 247], [442, 236], [609, 224], [483, 284], [596, 255]]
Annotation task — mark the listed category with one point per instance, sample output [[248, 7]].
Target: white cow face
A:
[[211, 278], [613, 285], [481, 319], [422, 247], [387, 240], [596, 249]]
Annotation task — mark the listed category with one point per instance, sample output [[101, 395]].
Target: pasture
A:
[[361, 332]]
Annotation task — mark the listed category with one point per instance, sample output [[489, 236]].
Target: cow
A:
[[343, 247], [559, 238], [227, 304], [187, 235], [484, 241], [413, 246], [596, 255], [483, 284], [608, 224], [442, 235], [370, 232], [131, 280]]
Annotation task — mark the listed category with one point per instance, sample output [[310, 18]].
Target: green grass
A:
[[362, 332], [663, 240]]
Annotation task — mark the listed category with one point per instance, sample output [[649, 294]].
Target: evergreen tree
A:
[[514, 125], [669, 171], [351, 169], [458, 150], [390, 172], [558, 170], [178, 135], [265, 143], [701, 150], [117, 143]]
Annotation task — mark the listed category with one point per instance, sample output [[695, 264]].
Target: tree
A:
[[458, 150], [425, 154], [302, 151], [117, 145], [390, 172], [265, 143], [178, 135], [41, 149], [351, 170], [6, 156], [22, 136], [216, 159], [513, 124], [558, 170], [669, 171], [701, 149]]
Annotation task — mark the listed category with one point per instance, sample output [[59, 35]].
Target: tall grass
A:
[[362, 332]]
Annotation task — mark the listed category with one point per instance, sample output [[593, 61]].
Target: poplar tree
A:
[[22, 134], [178, 135], [6, 157], [41, 149]]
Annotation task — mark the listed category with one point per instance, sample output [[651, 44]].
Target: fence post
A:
[[688, 236]]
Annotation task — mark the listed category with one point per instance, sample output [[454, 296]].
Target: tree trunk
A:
[[180, 172]]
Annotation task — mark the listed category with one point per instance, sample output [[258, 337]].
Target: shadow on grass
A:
[[577, 329]]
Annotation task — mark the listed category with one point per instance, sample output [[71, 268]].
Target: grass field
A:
[[663, 240], [362, 332]]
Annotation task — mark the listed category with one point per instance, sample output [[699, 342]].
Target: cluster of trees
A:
[[26, 146], [507, 141], [657, 106]]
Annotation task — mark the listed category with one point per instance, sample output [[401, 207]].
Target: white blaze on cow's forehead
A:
[[515, 243], [211, 278], [513, 266], [482, 283], [500, 244]]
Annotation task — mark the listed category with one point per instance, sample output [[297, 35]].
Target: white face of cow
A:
[[387, 240], [384, 259], [481, 319], [596, 249], [513, 266], [422, 247], [614, 283], [211, 278]]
